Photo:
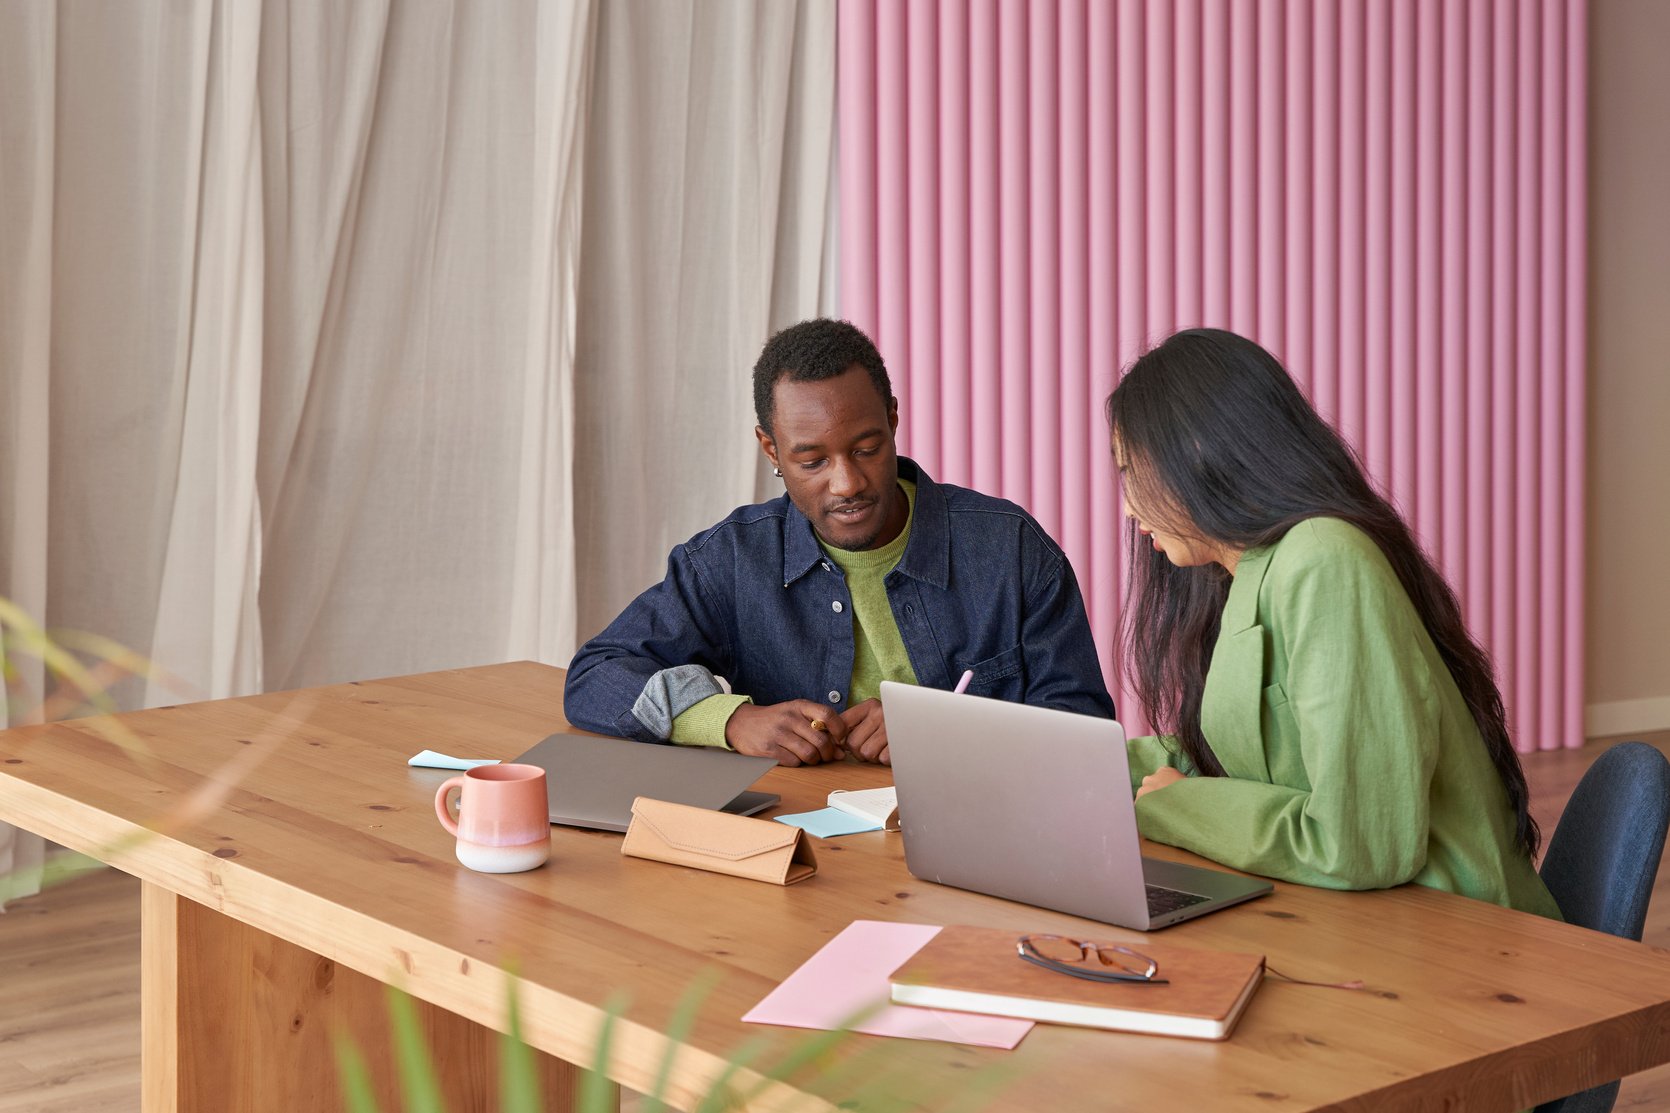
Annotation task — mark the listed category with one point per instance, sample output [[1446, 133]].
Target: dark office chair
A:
[[1603, 858]]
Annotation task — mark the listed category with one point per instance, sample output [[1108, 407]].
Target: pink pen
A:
[[962, 685]]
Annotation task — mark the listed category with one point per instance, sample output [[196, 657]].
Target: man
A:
[[866, 570]]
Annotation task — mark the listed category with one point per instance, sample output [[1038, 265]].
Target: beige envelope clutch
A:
[[758, 849]]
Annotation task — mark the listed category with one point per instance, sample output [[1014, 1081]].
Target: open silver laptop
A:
[[1034, 804], [592, 781]]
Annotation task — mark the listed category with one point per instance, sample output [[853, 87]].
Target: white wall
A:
[[1629, 367]]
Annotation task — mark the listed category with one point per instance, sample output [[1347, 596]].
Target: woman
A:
[[1330, 721]]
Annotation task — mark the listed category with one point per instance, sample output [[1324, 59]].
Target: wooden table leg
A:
[[234, 1020]]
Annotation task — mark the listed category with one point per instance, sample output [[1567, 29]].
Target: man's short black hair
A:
[[810, 352]]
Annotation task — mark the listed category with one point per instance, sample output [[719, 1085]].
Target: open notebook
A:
[[879, 805]]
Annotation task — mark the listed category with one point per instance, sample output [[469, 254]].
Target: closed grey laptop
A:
[[1034, 804], [591, 781]]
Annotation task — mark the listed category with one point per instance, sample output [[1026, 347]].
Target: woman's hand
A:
[[1158, 779]]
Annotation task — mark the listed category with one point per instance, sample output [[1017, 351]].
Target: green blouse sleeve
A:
[[1356, 703], [1151, 752]]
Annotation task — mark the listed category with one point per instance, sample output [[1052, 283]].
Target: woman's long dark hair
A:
[[1221, 446]]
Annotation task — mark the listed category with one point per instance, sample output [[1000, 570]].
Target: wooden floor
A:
[[69, 977], [69, 998]]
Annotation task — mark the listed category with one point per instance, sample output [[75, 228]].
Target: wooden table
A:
[[315, 872]]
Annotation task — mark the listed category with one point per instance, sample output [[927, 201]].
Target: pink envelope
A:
[[850, 974]]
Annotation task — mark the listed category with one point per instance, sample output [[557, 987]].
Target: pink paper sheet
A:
[[850, 974]]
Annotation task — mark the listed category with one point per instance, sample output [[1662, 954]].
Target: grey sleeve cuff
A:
[[670, 693]]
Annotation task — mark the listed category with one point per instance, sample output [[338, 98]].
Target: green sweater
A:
[[878, 650], [1351, 759]]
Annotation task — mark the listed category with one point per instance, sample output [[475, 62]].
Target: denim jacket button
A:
[[834, 697], [835, 606]]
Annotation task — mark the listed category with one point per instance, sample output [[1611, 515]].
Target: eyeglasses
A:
[[1074, 957]]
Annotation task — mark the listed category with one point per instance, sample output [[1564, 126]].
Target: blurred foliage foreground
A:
[[50, 675]]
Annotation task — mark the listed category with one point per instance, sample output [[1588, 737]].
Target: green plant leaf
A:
[[518, 1074], [411, 1056], [858, 1066], [900, 1089], [597, 1092], [63, 867], [982, 1087], [720, 1095], [882, 1090], [678, 1027], [110, 650], [807, 1051], [357, 1095], [28, 635]]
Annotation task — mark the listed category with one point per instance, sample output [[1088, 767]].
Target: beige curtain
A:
[[28, 65], [347, 340], [707, 204], [423, 194]]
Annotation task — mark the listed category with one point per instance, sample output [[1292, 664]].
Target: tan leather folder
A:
[[758, 849]]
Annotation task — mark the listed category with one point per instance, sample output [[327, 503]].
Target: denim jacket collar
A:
[[927, 554]]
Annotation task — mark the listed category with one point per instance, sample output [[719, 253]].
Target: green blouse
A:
[[1351, 759]]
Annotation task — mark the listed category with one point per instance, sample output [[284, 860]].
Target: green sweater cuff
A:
[[703, 723]]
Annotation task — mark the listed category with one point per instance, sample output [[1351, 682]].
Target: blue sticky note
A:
[[826, 823], [429, 759]]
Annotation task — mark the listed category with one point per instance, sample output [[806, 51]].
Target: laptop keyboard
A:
[[1162, 902]]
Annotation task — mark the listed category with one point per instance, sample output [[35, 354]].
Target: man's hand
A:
[[1158, 779], [784, 731], [866, 732]]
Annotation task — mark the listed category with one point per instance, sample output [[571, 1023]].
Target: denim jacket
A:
[[755, 600]]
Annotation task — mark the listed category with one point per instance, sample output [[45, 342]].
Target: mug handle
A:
[[442, 812]]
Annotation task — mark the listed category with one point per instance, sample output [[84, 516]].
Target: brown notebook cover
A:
[[972, 969]]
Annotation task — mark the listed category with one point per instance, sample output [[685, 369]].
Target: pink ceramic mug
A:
[[503, 825]]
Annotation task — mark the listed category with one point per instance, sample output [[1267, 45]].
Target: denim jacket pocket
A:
[[999, 677]]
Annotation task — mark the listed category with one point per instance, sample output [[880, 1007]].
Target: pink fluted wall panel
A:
[[1389, 194]]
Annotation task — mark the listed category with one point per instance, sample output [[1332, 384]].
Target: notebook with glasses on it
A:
[[1193, 993], [1034, 805]]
